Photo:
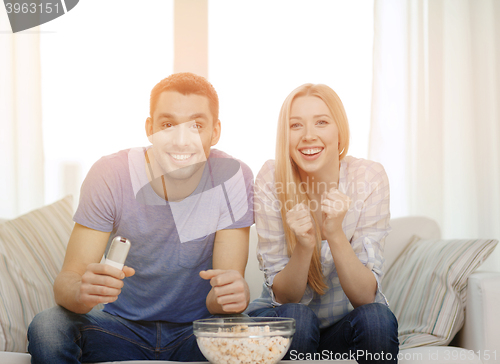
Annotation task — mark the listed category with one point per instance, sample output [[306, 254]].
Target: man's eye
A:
[[166, 125], [196, 126]]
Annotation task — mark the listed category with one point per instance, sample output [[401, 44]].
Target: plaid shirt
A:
[[366, 224]]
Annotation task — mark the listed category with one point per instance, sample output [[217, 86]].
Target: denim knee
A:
[[304, 317], [307, 334], [50, 331], [382, 315], [45, 325], [379, 324]]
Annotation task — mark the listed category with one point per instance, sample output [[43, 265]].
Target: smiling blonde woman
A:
[[322, 218]]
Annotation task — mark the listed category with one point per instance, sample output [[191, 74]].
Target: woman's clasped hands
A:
[[334, 206], [299, 219]]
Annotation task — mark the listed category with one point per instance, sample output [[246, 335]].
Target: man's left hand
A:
[[230, 289]]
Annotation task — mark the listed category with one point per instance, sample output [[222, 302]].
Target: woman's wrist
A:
[[337, 238], [304, 251]]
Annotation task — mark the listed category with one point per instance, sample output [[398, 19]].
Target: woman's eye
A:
[[295, 126], [322, 122]]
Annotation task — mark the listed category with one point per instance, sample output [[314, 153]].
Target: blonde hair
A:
[[287, 173]]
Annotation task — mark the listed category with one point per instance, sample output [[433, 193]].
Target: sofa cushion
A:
[[32, 249], [426, 288]]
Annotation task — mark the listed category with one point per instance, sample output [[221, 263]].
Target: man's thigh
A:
[[106, 337], [60, 335], [121, 339], [63, 336], [178, 343]]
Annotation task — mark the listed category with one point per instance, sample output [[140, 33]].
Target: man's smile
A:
[[181, 157]]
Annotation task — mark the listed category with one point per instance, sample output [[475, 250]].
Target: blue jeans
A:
[[58, 336], [368, 334]]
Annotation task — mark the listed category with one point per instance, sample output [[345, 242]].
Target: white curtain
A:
[[21, 150], [435, 122]]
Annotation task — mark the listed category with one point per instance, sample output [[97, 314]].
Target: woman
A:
[[322, 218]]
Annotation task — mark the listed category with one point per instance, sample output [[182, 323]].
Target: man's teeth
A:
[[180, 157], [311, 151]]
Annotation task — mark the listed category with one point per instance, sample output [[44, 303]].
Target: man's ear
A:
[[216, 133], [149, 129]]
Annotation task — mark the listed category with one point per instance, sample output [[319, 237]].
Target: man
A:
[[186, 208]]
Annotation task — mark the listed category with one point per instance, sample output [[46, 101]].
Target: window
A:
[[260, 51], [99, 64]]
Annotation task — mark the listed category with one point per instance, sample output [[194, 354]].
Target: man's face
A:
[[182, 131]]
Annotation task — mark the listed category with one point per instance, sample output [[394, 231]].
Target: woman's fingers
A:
[[300, 221], [335, 203]]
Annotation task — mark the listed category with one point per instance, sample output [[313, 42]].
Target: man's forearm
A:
[[66, 287]]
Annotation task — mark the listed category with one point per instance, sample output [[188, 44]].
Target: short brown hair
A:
[[186, 83]]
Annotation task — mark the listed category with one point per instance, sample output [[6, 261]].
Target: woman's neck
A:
[[315, 184]]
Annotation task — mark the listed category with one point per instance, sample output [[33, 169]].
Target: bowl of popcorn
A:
[[244, 340]]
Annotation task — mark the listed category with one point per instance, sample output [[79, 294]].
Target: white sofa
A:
[[477, 342]]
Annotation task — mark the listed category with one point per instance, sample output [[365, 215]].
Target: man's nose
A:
[[181, 135]]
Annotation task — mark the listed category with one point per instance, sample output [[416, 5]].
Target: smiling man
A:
[[186, 208]]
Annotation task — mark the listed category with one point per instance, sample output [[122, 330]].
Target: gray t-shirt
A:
[[171, 242]]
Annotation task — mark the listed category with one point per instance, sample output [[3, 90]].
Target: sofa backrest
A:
[[253, 275], [403, 229]]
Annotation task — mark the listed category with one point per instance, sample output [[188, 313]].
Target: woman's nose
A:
[[309, 133]]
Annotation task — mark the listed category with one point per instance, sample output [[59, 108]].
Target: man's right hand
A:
[[101, 283], [301, 223]]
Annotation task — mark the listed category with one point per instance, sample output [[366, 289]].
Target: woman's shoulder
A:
[[364, 169], [266, 172]]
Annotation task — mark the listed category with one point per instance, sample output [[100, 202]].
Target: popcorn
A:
[[241, 344]]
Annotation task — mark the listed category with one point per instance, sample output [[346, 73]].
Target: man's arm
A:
[[83, 282], [230, 292]]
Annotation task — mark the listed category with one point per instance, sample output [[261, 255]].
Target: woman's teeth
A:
[[311, 151]]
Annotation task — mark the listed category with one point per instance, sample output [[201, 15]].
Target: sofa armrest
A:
[[482, 318]]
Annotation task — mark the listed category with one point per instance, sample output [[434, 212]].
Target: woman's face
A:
[[314, 136]]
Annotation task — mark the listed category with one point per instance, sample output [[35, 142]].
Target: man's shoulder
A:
[[112, 167], [116, 159], [225, 166]]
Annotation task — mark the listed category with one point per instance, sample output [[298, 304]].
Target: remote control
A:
[[117, 252]]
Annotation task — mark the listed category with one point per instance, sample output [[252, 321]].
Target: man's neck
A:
[[170, 189], [177, 190]]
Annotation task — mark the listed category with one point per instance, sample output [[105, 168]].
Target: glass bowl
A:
[[244, 340]]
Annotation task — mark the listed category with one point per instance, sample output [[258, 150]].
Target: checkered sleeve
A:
[[373, 225], [271, 249]]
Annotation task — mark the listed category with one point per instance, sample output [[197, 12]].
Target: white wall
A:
[[99, 64]]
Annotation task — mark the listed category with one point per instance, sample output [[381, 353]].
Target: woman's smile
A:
[[311, 153]]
